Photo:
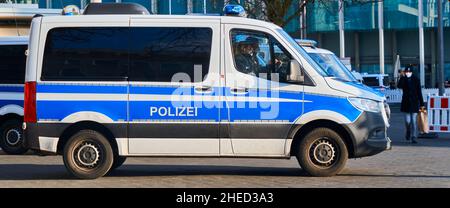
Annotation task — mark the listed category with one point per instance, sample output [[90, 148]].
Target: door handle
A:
[[239, 90], [203, 89]]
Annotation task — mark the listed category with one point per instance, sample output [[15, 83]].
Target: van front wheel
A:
[[88, 155], [322, 152]]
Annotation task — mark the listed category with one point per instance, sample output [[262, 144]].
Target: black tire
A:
[[322, 153], [88, 155], [11, 140], [118, 161]]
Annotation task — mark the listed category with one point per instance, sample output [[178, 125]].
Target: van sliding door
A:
[[174, 87]]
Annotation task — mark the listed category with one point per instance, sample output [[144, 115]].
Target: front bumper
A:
[[369, 134]]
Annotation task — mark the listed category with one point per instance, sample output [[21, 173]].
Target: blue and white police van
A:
[[100, 88], [12, 75]]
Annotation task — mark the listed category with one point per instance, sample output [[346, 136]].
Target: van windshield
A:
[[339, 70], [332, 66], [302, 52]]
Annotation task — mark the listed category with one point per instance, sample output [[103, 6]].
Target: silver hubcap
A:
[[323, 152], [87, 155], [13, 137]]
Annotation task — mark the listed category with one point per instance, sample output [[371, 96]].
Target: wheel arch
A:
[[10, 116], [300, 131], [86, 125]]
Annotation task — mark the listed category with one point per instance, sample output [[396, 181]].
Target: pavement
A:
[[426, 164]]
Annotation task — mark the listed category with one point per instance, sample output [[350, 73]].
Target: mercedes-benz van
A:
[[12, 75], [100, 88]]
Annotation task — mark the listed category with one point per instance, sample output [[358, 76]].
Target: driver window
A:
[[251, 52], [281, 62], [259, 54]]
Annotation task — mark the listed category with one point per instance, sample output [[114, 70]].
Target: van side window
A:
[[86, 54], [158, 53], [260, 55], [12, 64]]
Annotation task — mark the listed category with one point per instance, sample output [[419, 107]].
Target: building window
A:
[[145, 3]]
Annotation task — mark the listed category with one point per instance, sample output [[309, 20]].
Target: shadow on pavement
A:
[[175, 170], [396, 176], [58, 172], [32, 172]]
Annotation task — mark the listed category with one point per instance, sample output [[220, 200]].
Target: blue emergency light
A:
[[234, 10], [70, 10], [307, 42]]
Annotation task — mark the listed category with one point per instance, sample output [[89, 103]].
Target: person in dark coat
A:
[[412, 102], [246, 60]]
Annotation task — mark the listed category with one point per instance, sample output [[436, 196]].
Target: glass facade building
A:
[[401, 36]]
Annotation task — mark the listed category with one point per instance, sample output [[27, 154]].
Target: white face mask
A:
[[408, 74]]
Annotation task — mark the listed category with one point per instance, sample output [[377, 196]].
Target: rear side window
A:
[[12, 64], [86, 54], [158, 53]]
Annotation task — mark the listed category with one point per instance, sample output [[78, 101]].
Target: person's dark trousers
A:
[[411, 126]]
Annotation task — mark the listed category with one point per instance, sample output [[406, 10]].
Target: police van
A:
[[12, 75], [100, 88]]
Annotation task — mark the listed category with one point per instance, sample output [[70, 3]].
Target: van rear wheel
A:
[[322, 152], [11, 140], [88, 155]]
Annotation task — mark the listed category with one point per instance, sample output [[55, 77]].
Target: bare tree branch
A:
[[278, 11]]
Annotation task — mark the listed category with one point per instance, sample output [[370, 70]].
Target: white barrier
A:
[[438, 113], [395, 95]]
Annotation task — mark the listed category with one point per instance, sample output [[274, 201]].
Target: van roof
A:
[[14, 40], [101, 19]]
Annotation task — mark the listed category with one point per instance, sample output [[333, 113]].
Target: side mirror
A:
[[295, 75]]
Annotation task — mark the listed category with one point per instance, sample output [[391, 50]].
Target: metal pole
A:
[[341, 30], [204, 6], [170, 6], [381, 35], [441, 49], [302, 20], [421, 45], [154, 6], [189, 5]]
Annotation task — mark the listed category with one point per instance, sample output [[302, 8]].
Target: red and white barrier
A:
[[438, 113]]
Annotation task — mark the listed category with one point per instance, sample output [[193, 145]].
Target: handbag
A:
[[422, 120]]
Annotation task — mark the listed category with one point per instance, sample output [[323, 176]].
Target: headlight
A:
[[365, 104]]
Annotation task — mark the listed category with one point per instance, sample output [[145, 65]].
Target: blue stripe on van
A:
[[140, 110], [11, 88], [58, 110], [82, 89], [337, 104]]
